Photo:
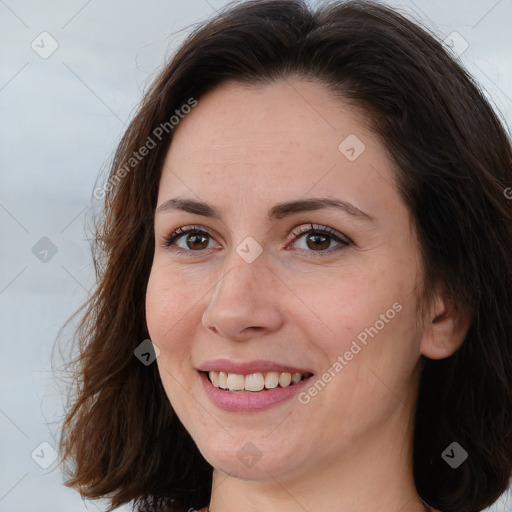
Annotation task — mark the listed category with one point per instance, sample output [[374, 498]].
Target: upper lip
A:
[[248, 367]]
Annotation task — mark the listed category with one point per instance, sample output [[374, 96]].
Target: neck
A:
[[374, 473]]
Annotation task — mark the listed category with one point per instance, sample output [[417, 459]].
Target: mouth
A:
[[255, 387], [251, 386], [254, 382]]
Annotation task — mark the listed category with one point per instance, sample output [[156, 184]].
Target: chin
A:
[[261, 469], [247, 460]]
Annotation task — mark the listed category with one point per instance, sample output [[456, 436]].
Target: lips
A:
[[243, 400], [249, 401]]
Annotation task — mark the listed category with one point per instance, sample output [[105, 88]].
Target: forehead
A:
[[263, 142]]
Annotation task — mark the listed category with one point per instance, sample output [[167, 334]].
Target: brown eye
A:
[[195, 239], [319, 239]]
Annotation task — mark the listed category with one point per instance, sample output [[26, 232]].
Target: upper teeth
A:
[[253, 381]]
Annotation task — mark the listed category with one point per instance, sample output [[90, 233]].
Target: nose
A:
[[244, 303]]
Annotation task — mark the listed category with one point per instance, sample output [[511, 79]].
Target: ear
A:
[[445, 328]]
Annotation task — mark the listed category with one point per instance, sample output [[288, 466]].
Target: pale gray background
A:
[[60, 120]]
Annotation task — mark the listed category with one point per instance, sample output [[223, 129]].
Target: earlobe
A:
[[445, 329]]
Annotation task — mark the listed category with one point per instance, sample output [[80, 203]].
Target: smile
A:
[[244, 400], [254, 382]]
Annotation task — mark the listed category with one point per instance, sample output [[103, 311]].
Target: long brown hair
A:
[[453, 159]]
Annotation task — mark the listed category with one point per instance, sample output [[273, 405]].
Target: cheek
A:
[[168, 317], [169, 312], [156, 307], [350, 303], [368, 311]]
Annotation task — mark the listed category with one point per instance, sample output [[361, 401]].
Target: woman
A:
[[308, 218]]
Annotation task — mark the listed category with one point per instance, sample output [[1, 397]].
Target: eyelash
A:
[[297, 232]]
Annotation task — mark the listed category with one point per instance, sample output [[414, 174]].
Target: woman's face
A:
[[268, 286]]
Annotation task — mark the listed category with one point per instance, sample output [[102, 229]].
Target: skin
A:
[[244, 149]]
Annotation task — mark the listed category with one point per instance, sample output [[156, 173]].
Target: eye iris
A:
[[316, 237], [197, 236]]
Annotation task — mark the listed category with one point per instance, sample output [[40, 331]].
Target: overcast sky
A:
[[71, 74]]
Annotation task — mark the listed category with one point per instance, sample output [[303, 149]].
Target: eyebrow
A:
[[277, 212]]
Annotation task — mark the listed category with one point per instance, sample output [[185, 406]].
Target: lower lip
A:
[[249, 401]]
